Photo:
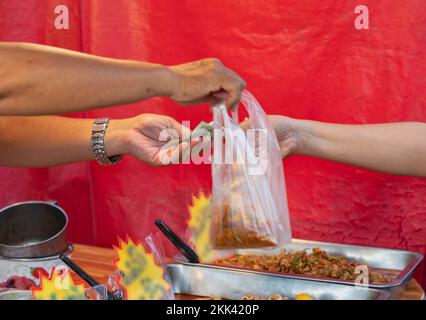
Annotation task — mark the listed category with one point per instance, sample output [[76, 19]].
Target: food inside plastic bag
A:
[[235, 218], [238, 232], [249, 207]]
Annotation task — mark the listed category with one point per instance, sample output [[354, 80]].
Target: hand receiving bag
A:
[[249, 205]]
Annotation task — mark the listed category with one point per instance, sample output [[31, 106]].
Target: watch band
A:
[[98, 142]]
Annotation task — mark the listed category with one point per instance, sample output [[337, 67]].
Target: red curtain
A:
[[300, 59]]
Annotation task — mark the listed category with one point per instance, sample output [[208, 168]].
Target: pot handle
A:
[[53, 202]]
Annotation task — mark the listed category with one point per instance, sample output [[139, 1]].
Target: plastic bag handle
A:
[[247, 100], [250, 104], [224, 119]]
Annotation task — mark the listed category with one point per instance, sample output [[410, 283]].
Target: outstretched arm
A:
[[40, 80], [49, 140], [396, 148]]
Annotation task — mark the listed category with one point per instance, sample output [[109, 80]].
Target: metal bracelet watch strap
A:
[[98, 142]]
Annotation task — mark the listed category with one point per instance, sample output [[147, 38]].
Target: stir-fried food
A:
[[315, 263], [236, 228], [275, 296]]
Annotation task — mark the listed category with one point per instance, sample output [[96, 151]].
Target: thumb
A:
[[183, 131], [284, 150], [245, 124]]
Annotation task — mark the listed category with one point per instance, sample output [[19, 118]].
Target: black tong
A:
[[183, 248], [85, 276]]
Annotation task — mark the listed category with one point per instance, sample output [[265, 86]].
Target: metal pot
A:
[[34, 229]]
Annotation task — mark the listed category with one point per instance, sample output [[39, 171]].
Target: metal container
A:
[[207, 281], [396, 264], [16, 295], [34, 229]]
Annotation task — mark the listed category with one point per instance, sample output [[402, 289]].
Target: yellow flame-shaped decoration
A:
[[59, 287], [199, 226], [143, 279]]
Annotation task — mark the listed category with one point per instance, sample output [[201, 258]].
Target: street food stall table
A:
[[97, 262]]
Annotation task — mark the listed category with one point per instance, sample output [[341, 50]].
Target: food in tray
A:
[[303, 296], [22, 283], [17, 283], [276, 296], [315, 263]]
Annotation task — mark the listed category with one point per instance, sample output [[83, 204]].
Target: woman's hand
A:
[[205, 81], [154, 139], [396, 148], [288, 132]]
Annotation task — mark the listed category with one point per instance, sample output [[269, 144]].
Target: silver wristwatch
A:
[[98, 142]]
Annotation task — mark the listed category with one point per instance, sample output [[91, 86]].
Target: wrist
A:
[[304, 136], [163, 81], [310, 142], [116, 138], [153, 80], [167, 81], [170, 81]]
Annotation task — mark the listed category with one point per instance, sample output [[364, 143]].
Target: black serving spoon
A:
[[183, 248], [86, 277]]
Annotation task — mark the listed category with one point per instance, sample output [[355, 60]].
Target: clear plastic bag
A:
[[249, 206], [155, 244], [141, 272]]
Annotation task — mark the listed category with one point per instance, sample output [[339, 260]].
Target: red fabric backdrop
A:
[[300, 59]]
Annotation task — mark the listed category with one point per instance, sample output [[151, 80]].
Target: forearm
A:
[[47, 140], [37, 80], [396, 148]]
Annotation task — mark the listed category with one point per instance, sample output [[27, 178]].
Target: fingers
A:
[[224, 84], [232, 86], [284, 150], [245, 124], [180, 153], [220, 95], [176, 153], [183, 131], [207, 80]]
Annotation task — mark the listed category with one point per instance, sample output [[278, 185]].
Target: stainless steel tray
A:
[[205, 280], [398, 265]]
